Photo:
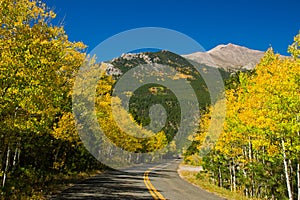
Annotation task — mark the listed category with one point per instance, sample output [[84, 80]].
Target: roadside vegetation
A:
[[205, 184], [38, 141], [40, 150], [257, 153]]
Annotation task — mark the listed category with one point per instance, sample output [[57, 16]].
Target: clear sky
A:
[[254, 24]]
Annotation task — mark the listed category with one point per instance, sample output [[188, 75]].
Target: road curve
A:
[[160, 181]]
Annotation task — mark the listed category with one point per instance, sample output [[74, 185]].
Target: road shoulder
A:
[[188, 173]]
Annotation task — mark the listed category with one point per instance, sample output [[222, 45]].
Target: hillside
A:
[[229, 57], [150, 94]]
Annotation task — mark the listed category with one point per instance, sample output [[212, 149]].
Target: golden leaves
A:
[[262, 108], [124, 131], [37, 63]]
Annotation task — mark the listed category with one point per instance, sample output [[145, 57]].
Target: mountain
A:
[[148, 95], [229, 57]]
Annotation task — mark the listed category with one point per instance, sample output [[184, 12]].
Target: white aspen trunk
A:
[[298, 180], [234, 177], [252, 186], [287, 177], [273, 196], [291, 172], [250, 150], [246, 189], [220, 177], [264, 162], [231, 179], [15, 156], [245, 152], [6, 166], [19, 153], [250, 159]]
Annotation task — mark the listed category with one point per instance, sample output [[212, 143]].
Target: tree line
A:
[[38, 135], [37, 68], [258, 150]]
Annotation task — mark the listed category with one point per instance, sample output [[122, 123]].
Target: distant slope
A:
[[229, 57], [151, 94], [128, 61]]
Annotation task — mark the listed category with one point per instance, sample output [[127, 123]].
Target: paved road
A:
[[158, 182]]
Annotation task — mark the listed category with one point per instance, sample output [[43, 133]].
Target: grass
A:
[[51, 187], [62, 182], [206, 185]]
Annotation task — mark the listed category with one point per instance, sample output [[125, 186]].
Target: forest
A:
[[38, 135], [257, 152], [38, 139]]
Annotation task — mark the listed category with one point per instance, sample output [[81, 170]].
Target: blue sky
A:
[[255, 24]]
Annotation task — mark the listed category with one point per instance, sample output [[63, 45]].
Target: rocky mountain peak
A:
[[230, 57]]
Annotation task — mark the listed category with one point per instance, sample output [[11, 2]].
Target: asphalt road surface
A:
[[159, 181]]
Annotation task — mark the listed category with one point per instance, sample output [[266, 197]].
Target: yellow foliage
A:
[[124, 131]]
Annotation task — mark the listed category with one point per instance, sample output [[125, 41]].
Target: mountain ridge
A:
[[230, 57], [226, 58]]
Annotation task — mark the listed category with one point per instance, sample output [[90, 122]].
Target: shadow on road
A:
[[109, 185]]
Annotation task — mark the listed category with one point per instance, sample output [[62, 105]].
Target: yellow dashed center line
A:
[[155, 194]]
